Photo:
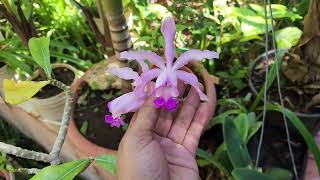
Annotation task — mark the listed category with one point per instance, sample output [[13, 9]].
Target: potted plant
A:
[[299, 78], [49, 102]]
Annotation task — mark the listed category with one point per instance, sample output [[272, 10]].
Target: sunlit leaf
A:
[[108, 162], [16, 93], [39, 48], [278, 11], [288, 37], [66, 171]]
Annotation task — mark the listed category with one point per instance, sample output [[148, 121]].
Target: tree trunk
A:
[[120, 36], [304, 64]]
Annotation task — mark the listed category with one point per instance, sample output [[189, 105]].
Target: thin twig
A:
[[24, 153], [265, 86], [280, 95], [54, 154]]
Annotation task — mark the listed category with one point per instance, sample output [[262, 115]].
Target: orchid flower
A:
[[167, 72], [131, 101]]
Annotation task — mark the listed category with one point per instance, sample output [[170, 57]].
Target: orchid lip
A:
[[169, 105]]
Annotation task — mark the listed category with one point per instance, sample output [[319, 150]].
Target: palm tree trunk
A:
[[119, 31]]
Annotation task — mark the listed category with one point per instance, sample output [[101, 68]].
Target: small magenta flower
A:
[[114, 122], [167, 72]]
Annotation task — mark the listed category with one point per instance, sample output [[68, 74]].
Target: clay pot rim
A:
[[54, 66], [89, 148]]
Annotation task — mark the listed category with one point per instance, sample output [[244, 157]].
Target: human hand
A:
[[162, 145]]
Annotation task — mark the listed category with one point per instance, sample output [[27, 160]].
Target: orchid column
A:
[[117, 24]]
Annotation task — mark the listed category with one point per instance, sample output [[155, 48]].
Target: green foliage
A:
[[279, 174], [39, 48], [66, 171], [246, 174], [236, 147], [288, 37], [107, 162]]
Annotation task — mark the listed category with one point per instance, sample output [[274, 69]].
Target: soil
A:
[[91, 108], [62, 74], [275, 151], [294, 97]]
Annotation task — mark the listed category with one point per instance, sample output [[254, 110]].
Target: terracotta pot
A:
[[51, 109], [89, 149], [6, 175]]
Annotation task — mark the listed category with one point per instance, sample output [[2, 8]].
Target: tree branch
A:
[[24, 153], [54, 154]]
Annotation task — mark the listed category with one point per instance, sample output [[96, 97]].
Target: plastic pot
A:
[[89, 149], [50, 109], [310, 120]]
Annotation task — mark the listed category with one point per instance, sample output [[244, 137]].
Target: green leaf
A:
[[278, 11], [39, 48], [14, 62], [209, 157], [221, 117], [16, 93], [84, 128], [236, 147], [242, 125], [254, 129], [250, 174], [279, 174], [288, 37], [271, 77], [66, 171], [303, 131], [108, 162]]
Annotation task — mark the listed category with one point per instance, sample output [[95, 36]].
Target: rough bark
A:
[[303, 66]]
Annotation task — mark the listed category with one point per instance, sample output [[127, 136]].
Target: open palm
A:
[[162, 145]]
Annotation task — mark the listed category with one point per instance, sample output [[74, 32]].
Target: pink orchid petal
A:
[[146, 77], [172, 79], [141, 56], [124, 73], [191, 79], [193, 55], [166, 92], [126, 103], [161, 80], [168, 30]]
